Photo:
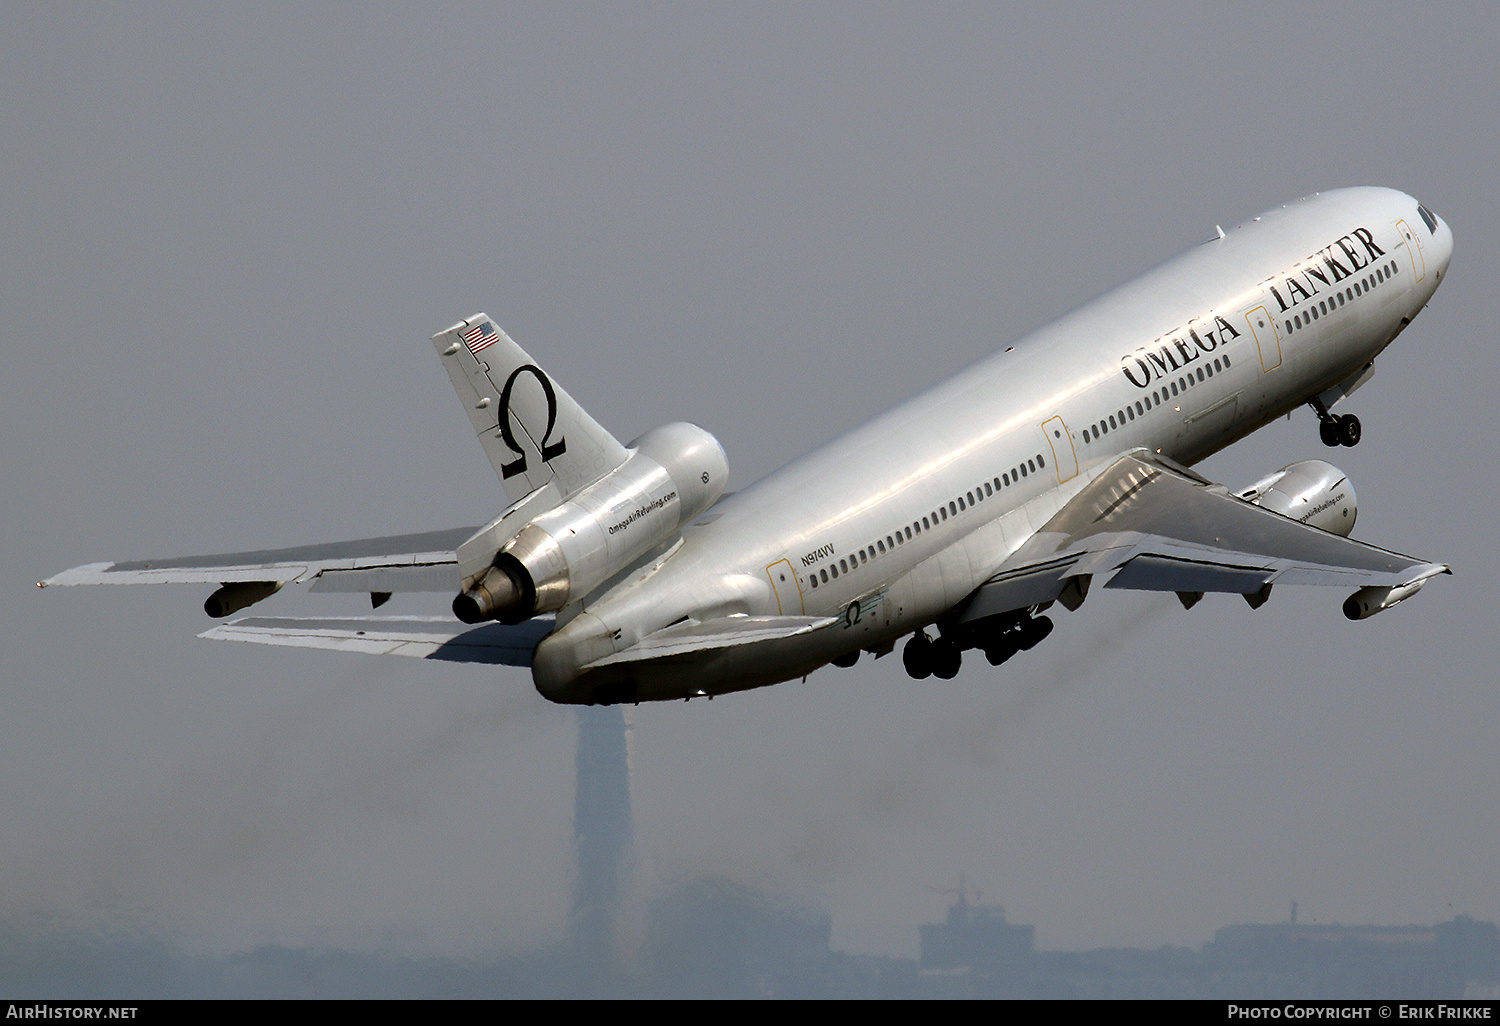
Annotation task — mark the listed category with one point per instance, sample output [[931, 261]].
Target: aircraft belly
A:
[[699, 674]]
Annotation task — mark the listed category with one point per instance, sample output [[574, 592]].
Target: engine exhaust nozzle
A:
[[495, 596]]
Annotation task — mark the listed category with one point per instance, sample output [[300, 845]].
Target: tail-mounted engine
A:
[[673, 474], [1311, 492]]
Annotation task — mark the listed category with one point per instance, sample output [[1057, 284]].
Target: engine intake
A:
[[1310, 492]]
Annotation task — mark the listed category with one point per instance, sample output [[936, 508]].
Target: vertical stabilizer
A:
[[532, 431]]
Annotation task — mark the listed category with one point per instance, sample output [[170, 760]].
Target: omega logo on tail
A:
[[549, 452]]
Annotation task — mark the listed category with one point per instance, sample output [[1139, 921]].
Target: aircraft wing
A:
[[419, 637], [404, 562], [1147, 524]]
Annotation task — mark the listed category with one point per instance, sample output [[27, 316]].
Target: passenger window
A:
[[953, 508], [1208, 370], [1200, 373], [1111, 420], [813, 580], [1023, 470], [997, 484], [1039, 461], [988, 491], [1138, 407], [925, 524], [862, 557], [942, 513], [824, 575]]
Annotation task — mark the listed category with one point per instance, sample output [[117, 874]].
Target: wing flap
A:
[[417, 637]]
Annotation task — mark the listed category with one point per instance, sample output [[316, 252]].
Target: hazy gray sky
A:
[[228, 233]]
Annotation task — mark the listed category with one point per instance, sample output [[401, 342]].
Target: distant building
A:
[[976, 953], [1298, 960]]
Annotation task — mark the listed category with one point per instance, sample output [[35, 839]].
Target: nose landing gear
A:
[[1333, 430]]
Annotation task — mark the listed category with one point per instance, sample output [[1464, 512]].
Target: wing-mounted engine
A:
[[1310, 492], [671, 475]]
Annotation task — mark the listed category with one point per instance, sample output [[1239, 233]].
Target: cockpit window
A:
[[1428, 218]]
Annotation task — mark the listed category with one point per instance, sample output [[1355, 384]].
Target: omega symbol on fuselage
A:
[[549, 452]]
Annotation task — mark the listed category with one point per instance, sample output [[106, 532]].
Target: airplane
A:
[[624, 573]]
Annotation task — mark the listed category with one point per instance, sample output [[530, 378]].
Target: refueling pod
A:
[[672, 474], [1310, 492]]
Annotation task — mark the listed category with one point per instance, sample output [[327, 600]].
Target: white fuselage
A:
[[895, 523]]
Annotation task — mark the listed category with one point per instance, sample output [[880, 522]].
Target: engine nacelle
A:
[[1366, 602], [673, 474], [1311, 492]]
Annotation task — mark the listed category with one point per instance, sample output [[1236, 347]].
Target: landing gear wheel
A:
[[1033, 631], [917, 657], [1349, 431], [1000, 652], [947, 660], [1328, 430]]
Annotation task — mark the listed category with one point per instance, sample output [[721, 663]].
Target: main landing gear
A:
[[943, 657], [1333, 430]]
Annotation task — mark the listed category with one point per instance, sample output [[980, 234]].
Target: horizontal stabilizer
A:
[[418, 637], [419, 562]]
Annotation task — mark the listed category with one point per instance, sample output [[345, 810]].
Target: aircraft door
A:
[[1064, 455], [1412, 241], [787, 588], [1267, 338]]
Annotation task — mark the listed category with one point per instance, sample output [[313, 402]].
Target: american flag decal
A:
[[481, 336]]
